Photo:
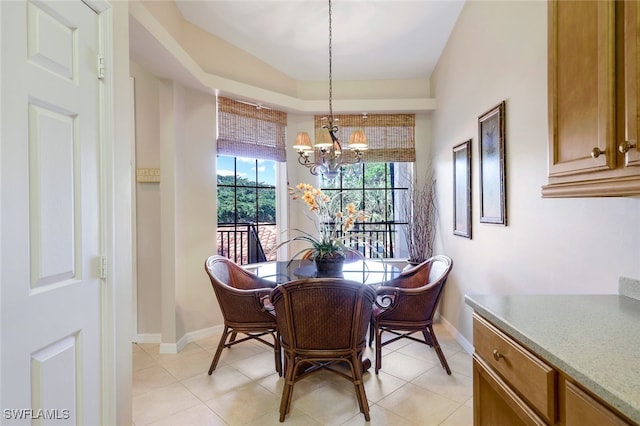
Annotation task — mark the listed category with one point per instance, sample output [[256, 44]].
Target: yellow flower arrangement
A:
[[332, 223]]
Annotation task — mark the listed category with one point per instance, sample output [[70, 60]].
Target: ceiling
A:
[[371, 39]]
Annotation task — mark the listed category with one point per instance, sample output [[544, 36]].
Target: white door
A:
[[50, 300]]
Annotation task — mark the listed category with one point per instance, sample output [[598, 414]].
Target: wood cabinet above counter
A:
[[593, 98], [553, 359]]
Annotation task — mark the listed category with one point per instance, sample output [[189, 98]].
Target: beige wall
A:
[[236, 65], [498, 52], [168, 14], [147, 153], [195, 298], [175, 219]]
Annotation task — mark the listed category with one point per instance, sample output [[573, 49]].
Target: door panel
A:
[[51, 228], [52, 142], [581, 58], [51, 41]]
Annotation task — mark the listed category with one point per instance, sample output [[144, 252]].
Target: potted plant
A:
[[330, 243]]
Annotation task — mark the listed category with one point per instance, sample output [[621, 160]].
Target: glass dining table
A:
[[370, 271]]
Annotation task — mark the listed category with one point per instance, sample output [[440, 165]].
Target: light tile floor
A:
[[411, 389]]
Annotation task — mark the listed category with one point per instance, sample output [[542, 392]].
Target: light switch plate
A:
[[148, 175]]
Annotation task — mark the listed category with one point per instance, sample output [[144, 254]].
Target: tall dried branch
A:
[[419, 211]]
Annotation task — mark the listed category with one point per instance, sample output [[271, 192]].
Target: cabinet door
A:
[[631, 77], [495, 403], [581, 409], [581, 86]]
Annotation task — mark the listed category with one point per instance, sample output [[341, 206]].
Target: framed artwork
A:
[[491, 138], [462, 189]]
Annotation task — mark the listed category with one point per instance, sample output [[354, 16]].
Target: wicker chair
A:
[[323, 322], [407, 304], [245, 306]]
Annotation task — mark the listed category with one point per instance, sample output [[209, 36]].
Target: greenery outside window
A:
[[376, 188], [246, 207]]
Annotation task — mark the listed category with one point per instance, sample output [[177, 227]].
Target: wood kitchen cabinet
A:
[[514, 386], [583, 409], [509, 382], [593, 98]]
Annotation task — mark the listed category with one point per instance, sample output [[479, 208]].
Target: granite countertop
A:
[[595, 339]]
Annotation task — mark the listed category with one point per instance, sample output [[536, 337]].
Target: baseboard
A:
[[204, 333], [462, 341], [174, 348], [147, 338]]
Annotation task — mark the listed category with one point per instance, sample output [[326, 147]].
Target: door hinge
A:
[[100, 67], [103, 267]]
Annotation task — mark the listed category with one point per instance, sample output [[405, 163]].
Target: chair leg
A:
[[285, 365], [371, 330], [427, 338], [278, 353], [438, 349], [287, 390], [378, 332], [356, 372], [221, 344]]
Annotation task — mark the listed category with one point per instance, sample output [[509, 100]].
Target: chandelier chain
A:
[[330, 72], [330, 160]]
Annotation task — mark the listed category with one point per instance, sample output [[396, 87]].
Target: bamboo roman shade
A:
[[246, 130], [391, 137]]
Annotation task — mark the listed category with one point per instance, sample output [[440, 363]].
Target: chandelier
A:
[[327, 141]]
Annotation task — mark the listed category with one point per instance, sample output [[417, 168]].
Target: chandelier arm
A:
[[313, 169], [303, 159]]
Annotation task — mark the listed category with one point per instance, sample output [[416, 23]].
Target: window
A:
[[380, 183], [377, 189], [246, 208], [250, 147]]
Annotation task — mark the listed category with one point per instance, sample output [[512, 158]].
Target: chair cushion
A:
[[415, 278], [244, 282]]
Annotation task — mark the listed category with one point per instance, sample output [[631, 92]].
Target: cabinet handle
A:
[[497, 355], [626, 146], [597, 152]]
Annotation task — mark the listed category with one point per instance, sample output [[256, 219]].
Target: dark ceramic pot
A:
[[329, 266]]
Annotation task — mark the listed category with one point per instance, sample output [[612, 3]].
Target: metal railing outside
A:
[[253, 242], [246, 243]]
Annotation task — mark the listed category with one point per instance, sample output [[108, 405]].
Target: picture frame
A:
[[462, 189], [491, 150]]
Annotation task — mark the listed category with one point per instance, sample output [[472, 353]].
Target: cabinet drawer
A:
[[530, 377], [581, 409]]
